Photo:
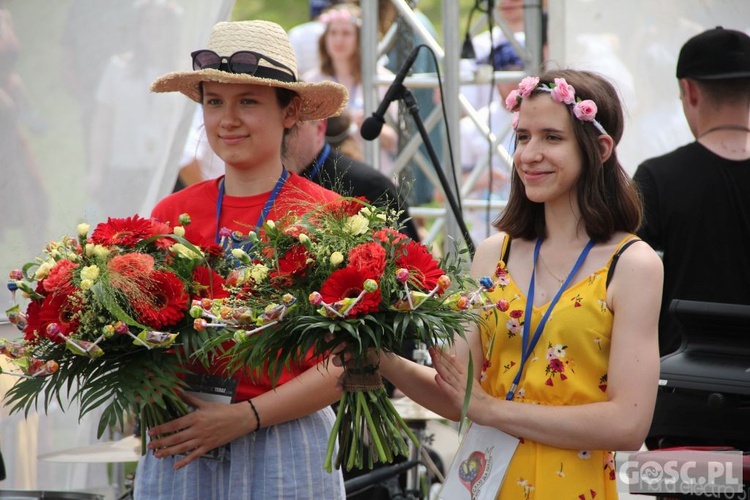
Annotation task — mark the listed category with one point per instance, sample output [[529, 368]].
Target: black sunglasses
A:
[[244, 61]]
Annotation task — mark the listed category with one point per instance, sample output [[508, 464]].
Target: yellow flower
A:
[[258, 273], [89, 249], [90, 273], [100, 251], [86, 284], [238, 253], [43, 270], [179, 231], [182, 251], [83, 229], [357, 224], [337, 258]]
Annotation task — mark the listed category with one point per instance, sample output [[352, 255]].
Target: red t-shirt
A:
[[298, 195]]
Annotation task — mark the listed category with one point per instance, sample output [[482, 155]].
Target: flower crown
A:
[[562, 92], [339, 15]]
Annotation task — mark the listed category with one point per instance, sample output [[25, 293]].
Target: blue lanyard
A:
[[319, 161], [264, 213], [528, 344]]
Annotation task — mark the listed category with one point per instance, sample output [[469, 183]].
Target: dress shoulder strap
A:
[[629, 240], [505, 249]]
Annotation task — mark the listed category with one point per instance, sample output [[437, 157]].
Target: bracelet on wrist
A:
[[257, 417]]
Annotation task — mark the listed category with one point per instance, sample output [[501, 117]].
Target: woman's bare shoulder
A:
[[487, 254]]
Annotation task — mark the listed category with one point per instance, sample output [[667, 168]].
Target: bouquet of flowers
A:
[[342, 280], [105, 310]]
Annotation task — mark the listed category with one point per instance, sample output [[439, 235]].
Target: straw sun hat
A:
[[319, 100]]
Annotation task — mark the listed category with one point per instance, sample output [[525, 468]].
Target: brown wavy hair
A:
[[326, 63], [607, 197]]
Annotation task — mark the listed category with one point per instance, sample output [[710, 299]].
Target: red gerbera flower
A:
[[59, 308], [208, 283], [125, 232], [163, 301], [369, 259], [422, 266], [349, 283], [60, 278], [293, 262]]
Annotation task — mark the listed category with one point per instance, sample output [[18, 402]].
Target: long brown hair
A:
[[607, 197], [326, 63]]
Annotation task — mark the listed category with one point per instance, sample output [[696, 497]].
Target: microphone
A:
[[372, 125]]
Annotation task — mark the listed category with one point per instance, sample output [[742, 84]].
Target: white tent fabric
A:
[[81, 139], [636, 44]]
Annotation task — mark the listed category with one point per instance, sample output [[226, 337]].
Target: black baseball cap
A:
[[716, 54]]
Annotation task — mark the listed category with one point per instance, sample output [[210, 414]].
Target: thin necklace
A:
[[544, 263], [741, 128]]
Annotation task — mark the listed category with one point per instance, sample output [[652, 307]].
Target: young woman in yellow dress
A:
[[568, 362]]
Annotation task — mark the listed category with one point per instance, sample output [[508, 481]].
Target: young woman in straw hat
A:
[[272, 443]]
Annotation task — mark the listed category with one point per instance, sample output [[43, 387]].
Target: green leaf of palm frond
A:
[[467, 396]]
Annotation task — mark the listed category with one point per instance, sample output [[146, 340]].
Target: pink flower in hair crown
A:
[[585, 110], [513, 100], [527, 86], [562, 92]]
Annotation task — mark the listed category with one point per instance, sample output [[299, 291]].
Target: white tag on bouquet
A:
[[214, 389], [211, 387], [480, 465]]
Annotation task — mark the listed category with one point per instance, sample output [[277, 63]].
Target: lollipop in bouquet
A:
[[340, 279], [104, 312]]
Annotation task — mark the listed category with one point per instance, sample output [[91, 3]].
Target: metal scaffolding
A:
[[456, 104]]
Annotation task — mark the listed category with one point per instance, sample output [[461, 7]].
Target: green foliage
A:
[[119, 382]]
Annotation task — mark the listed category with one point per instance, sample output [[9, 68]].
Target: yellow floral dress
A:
[[568, 366]]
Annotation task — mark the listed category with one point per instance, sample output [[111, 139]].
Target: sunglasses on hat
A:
[[244, 61]]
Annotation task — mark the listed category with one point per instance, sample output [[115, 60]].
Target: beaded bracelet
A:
[[257, 417]]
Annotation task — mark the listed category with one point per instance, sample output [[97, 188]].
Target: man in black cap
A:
[[697, 198]]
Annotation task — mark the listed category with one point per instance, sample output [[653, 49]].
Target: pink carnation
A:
[[563, 92], [512, 100], [585, 110], [527, 86]]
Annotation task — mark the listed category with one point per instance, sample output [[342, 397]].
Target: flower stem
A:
[[353, 452], [374, 431], [335, 433]]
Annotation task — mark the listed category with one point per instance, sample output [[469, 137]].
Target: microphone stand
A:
[[413, 107]]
